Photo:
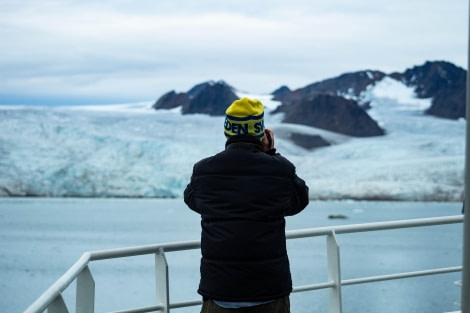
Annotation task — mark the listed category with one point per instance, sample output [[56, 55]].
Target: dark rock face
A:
[[335, 114], [207, 98], [448, 104], [349, 84], [309, 141], [442, 81], [213, 99], [280, 93], [171, 100], [323, 104]]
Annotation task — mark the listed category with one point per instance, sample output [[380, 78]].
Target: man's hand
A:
[[268, 140]]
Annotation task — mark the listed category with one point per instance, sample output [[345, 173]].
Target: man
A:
[[243, 194]]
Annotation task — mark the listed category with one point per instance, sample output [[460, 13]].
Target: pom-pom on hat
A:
[[245, 117]]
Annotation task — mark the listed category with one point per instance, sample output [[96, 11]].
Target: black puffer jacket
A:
[[243, 195]]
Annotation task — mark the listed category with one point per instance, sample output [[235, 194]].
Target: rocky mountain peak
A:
[[442, 81], [333, 113], [431, 77], [349, 85], [210, 97], [279, 93]]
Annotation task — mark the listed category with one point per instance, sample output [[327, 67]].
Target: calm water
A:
[[41, 238]]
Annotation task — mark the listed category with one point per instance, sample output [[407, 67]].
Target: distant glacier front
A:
[[132, 150]]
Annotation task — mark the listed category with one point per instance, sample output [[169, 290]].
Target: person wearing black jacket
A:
[[243, 195]]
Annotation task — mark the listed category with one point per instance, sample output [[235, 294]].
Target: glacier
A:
[[132, 150]]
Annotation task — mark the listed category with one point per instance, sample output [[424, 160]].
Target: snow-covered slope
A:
[[135, 151]]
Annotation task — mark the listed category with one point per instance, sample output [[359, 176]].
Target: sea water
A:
[[40, 238]]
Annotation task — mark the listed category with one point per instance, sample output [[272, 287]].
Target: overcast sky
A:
[[116, 51]]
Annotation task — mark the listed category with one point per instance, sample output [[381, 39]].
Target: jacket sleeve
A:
[[300, 196], [189, 198]]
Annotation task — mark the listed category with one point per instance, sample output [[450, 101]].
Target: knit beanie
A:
[[244, 117]]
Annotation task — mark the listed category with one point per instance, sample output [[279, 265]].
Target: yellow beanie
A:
[[244, 117]]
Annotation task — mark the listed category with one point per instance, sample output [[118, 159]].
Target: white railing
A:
[[53, 301]]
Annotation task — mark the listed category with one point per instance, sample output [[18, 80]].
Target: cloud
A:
[[140, 49]]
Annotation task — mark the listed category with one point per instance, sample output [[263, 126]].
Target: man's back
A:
[[243, 195]]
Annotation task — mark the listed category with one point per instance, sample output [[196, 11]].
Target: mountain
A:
[[333, 113], [279, 93], [324, 108], [349, 85], [337, 104], [442, 81], [332, 104], [211, 98]]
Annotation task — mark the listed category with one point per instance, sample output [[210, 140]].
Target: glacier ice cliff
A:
[[134, 151]]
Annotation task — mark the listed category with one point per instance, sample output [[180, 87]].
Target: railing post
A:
[[161, 270], [85, 301], [334, 272], [57, 306]]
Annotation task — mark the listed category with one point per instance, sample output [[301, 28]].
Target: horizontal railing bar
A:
[[155, 308], [400, 275], [329, 284], [345, 229], [323, 286], [292, 234], [56, 289], [142, 250], [185, 304]]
